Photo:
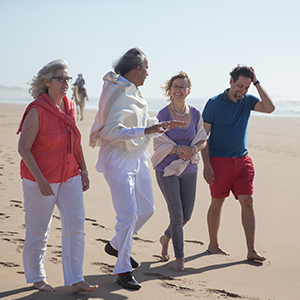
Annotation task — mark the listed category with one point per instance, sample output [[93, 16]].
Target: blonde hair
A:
[[37, 83], [167, 86]]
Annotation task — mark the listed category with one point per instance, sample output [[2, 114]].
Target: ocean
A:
[[285, 106]]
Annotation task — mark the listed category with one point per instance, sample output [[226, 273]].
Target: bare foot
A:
[[164, 240], [43, 286], [83, 286], [179, 264], [254, 255], [216, 250]]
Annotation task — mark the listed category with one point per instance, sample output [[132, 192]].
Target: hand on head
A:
[[254, 75]]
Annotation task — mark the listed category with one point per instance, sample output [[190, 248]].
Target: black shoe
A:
[[111, 251], [128, 281]]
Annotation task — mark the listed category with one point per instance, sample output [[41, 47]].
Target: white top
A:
[[119, 127]]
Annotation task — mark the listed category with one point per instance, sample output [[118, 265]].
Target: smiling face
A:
[[179, 89], [239, 88], [56, 89]]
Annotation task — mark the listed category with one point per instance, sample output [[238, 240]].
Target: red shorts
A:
[[232, 174]]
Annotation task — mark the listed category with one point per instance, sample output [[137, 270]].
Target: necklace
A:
[[178, 114]]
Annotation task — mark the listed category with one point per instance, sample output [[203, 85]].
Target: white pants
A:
[[133, 203], [38, 216]]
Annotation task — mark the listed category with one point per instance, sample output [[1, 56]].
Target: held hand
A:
[[254, 75], [45, 188], [85, 182], [184, 156], [186, 152], [208, 174]]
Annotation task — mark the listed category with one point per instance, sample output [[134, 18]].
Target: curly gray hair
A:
[[37, 83]]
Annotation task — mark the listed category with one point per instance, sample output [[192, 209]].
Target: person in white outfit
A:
[[53, 173], [122, 127]]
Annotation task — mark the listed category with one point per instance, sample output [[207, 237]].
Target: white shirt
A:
[[113, 158]]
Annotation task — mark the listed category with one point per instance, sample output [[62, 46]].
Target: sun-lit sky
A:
[[206, 39]]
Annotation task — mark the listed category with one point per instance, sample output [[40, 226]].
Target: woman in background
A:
[[175, 161], [53, 172]]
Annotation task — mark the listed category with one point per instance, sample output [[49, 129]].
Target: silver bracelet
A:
[[85, 172]]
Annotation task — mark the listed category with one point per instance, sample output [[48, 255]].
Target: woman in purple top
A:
[[179, 148]]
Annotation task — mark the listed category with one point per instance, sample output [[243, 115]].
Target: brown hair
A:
[[167, 86], [241, 70]]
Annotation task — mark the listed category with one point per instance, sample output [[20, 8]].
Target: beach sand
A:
[[274, 145]]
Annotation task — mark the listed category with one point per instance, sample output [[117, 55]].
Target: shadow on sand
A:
[[108, 289]]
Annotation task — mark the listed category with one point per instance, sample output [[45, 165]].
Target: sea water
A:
[[285, 106]]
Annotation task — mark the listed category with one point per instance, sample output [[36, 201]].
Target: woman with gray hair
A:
[[53, 171]]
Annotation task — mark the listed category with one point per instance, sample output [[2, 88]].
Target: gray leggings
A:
[[179, 193]]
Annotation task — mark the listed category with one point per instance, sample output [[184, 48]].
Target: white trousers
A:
[[133, 203], [38, 216]]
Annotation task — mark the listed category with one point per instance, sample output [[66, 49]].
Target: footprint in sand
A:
[[14, 241], [8, 233], [16, 203], [3, 216], [9, 264], [105, 268], [102, 240], [94, 222], [178, 288], [98, 225], [142, 240], [54, 260], [224, 293], [18, 241], [194, 242], [159, 276], [58, 253], [91, 220]]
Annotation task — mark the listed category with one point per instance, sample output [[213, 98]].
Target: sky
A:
[[206, 39]]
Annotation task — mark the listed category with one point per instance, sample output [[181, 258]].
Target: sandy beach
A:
[[273, 144]]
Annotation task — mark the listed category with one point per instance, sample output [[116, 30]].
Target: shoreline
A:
[[199, 106], [273, 144]]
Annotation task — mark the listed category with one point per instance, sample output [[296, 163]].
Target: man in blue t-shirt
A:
[[227, 166]]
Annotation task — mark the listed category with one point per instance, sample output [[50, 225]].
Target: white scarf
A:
[[163, 146], [121, 105]]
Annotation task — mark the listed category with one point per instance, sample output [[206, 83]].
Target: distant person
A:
[[80, 82], [53, 172], [175, 161], [227, 166], [122, 128]]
